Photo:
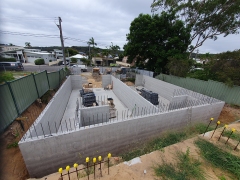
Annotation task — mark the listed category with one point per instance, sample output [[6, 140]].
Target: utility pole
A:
[[62, 42]]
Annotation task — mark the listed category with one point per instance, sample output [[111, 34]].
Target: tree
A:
[[71, 51], [86, 61], [223, 67], [153, 39], [114, 49], [11, 44], [91, 42], [207, 19], [105, 52], [179, 65], [28, 44]]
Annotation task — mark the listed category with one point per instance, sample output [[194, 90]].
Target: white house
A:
[[78, 57], [32, 56]]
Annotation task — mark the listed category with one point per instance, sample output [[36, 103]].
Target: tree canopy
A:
[[114, 49], [207, 19], [223, 67], [71, 51], [28, 44], [153, 39]]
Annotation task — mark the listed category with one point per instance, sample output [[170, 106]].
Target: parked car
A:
[[83, 67], [67, 62], [17, 66]]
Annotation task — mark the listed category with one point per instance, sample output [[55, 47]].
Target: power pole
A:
[[62, 42]]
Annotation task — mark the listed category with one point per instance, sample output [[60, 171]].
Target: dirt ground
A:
[[12, 166]]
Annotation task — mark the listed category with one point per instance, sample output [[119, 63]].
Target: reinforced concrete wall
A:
[[45, 156], [106, 80], [76, 81], [131, 99], [94, 115]]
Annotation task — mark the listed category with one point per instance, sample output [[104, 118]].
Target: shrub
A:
[[2, 59], [73, 60], [39, 61], [6, 76]]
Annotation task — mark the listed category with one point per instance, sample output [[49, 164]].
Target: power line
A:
[[47, 36]]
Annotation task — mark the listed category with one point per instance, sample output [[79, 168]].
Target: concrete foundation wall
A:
[[106, 80], [139, 80], [164, 89], [45, 156], [53, 112], [94, 115], [76, 81], [131, 99]]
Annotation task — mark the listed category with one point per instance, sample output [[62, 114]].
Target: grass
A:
[[219, 158], [185, 168], [165, 140], [11, 145], [235, 135], [6, 76]]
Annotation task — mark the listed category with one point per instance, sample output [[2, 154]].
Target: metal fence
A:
[[19, 94], [210, 88]]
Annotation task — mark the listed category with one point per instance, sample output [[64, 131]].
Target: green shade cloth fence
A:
[[17, 95], [210, 88]]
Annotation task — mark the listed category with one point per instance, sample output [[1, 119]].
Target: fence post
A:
[[47, 80], [35, 84], [59, 77], [14, 100]]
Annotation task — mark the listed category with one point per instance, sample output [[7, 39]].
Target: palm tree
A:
[[28, 44], [91, 42], [114, 49]]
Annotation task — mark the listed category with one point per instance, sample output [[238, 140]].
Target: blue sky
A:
[[105, 20]]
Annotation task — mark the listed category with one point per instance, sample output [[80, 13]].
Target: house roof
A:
[[78, 56]]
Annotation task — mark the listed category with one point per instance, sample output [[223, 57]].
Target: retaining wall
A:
[[93, 115], [131, 99], [45, 156]]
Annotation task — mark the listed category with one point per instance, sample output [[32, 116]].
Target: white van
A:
[[83, 67]]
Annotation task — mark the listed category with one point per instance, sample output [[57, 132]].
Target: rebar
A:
[[42, 130]]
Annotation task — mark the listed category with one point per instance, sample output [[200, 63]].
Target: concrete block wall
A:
[[139, 80], [94, 115], [131, 99], [205, 112], [53, 112], [106, 80], [41, 157], [45, 156], [76, 81], [164, 89]]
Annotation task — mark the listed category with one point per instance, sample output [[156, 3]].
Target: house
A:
[[98, 61], [58, 54], [32, 54], [78, 57], [7, 51]]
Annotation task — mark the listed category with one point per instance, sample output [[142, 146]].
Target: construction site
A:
[[84, 119]]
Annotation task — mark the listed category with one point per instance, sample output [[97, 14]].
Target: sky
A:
[[107, 21]]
